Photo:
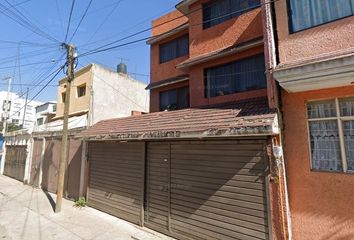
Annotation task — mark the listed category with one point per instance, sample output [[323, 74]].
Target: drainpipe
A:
[[271, 53]]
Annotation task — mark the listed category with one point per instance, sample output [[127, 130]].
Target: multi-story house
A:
[[201, 164], [44, 114], [315, 69], [18, 111], [98, 93]]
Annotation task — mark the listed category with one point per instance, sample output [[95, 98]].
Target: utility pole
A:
[[6, 108], [24, 113], [7, 105], [70, 49]]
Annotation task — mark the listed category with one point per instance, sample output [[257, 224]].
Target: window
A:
[[63, 97], [6, 105], [174, 49], [174, 99], [331, 130], [220, 11], [40, 121], [15, 121], [240, 76], [81, 90], [305, 14]]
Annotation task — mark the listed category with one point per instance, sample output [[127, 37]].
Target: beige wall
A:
[[77, 104]]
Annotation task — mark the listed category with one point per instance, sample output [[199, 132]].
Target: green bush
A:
[[81, 202]]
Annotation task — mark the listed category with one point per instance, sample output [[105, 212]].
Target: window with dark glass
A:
[[81, 90], [174, 49], [174, 99], [239, 76], [310, 13], [216, 12]]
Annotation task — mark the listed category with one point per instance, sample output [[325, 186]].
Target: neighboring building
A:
[[17, 110], [44, 114], [201, 164], [98, 93], [315, 69]]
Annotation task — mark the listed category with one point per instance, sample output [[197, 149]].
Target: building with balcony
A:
[[202, 164], [313, 42]]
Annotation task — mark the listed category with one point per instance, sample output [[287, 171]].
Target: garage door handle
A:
[[164, 189]]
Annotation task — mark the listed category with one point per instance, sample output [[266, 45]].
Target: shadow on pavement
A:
[[51, 201]]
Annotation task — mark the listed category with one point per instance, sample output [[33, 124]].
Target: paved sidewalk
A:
[[26, 213]]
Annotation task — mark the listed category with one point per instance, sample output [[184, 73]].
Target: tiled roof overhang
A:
[[221, 53], [168, 81], [250, 117], [158, 38]]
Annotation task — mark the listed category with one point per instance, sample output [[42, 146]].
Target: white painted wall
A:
[[116, 95], [17, 109]]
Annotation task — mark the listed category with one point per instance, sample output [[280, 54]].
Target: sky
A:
[[30, 56]]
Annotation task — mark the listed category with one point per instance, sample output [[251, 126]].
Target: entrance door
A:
[[15, 162], [207, 189]]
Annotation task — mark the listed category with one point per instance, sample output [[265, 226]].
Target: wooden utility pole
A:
[[64, 142], [24, 113]]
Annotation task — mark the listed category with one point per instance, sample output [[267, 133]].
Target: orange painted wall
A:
[[321, 203], [246, 27], [321, 40]]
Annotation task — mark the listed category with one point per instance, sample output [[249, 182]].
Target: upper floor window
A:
[[331, 132], [305, 14], [174, 99], [6, 105], [220, 11], [63, 97], [40, 121], [81, 90], [239, 76], [174, 49]]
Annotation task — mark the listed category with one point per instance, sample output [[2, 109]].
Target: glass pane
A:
[[325, 146], [346, 107], [321, 109], [348, 128], [183, 98], [168, 100], [240, 76], [310, 13]]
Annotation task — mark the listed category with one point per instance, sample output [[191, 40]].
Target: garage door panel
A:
[[214, 189], [181, 205], [15, 162], [116, 180], [198, 203]]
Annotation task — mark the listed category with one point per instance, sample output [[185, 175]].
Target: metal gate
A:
[[207, 189], [36, 162], [116, 179], [15, 162]]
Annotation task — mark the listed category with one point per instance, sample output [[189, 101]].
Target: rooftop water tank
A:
[[122, 68]]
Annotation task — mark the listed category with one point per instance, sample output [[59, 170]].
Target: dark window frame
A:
[[186, 88], [63, 97], [78, 91], [290, 20], [207, 88], [178, 51], [207, 23]]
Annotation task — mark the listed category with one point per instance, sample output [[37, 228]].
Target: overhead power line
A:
[[22, 20], [105, 47], [69, 21], [56, 73], [82, 18]]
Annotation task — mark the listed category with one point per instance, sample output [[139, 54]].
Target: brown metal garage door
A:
[[116, 179], [36, 162], [15, 162], [207, 190]]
